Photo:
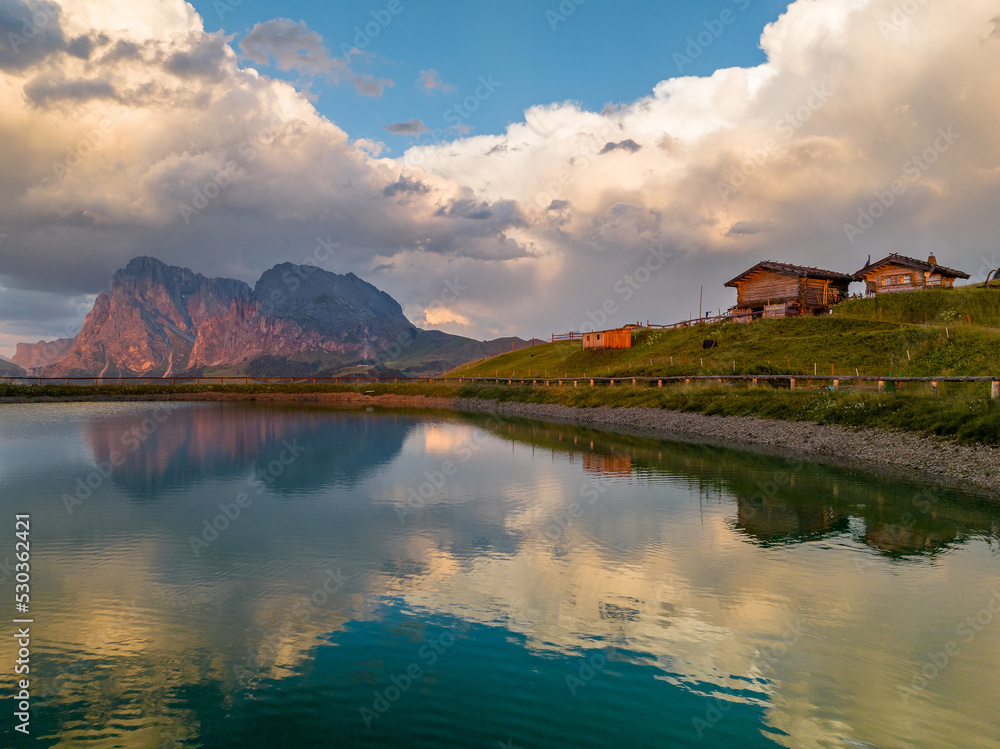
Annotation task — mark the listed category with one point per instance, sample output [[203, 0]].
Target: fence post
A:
[[793, 383], [881, 386], [633, 383], [592, 383], [836, 384], [994, 390], [753, 383], [576, 383], [659, 383], [687, 383]]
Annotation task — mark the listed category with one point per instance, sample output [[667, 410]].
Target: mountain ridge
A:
[[162, 320]]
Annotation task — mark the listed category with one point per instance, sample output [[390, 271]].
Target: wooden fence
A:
[[794, 381]]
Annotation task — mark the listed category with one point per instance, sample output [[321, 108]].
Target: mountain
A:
[[33, 355], [298, 320], [8, 368], [148, 322]]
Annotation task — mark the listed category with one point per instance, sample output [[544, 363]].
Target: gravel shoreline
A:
[[911, 456]]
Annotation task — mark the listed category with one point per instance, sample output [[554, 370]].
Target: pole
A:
[[701, 291]]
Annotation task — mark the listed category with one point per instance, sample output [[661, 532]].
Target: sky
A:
[[500, 168]]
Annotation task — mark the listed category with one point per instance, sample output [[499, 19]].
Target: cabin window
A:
[[906, 279]]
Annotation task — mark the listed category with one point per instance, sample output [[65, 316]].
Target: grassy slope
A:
[[965, 414], [853, 339]]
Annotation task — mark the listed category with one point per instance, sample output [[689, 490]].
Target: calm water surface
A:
[[242, 575]]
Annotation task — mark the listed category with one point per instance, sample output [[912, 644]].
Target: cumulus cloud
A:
[[294, 46], [409, 127], [153, 139], [430, 83]]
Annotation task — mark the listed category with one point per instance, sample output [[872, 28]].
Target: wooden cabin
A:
[[609, 339], [782, 290], [898, 273]]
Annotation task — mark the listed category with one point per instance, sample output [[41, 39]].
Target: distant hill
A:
[[8, 368], [298, 320]]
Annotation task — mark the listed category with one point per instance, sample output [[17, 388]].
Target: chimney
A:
[[932, 260]]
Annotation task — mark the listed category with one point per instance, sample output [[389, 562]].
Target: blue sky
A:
[[602, 52]]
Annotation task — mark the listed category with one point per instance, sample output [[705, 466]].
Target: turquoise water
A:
[[252, 575]]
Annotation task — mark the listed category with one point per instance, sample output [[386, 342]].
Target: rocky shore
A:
[[911, 456]]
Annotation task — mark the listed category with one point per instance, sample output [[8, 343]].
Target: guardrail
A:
[[210, 380], [754, 380]]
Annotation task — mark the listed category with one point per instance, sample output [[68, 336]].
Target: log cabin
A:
[[782, 290], [898, 273], [609, 339]]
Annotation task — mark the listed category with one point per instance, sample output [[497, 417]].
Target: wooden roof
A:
[[909, 262], [799, 271]]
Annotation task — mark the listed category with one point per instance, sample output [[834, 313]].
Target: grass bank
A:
[[961, 413]]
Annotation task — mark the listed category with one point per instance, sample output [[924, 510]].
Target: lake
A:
[[265, 575]]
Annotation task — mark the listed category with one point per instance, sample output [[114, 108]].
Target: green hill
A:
[[8, 369], [887, 335]]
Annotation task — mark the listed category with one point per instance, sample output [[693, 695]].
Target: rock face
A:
[[148, 322], [298, 310], [41, 354], [160, 320]]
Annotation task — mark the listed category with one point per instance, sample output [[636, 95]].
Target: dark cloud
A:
[[626, 145], [81, 47], [559, 205], [49, 88], [294, 46], [403, 185], [122, 50], [410, 127], [749, 228], [29, 32], [204, 59]]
